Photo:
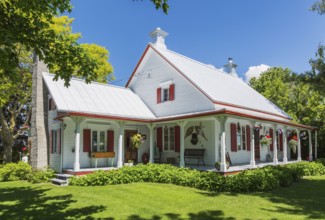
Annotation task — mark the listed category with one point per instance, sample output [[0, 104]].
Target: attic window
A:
[[166, 92], [52, 105]]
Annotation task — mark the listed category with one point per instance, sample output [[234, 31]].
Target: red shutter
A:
[[271, 135], [158, 95], [59, 141], [86, 140], [110, 141], [248, 137], [233, 135], [51, 143], [177, 139], [159, 138], [281, 141], [172, 92]]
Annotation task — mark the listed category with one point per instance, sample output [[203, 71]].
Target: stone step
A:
[[63, 176], [60, 182]]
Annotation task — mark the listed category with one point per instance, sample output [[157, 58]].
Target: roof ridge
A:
[[190, 59], [92, 82]]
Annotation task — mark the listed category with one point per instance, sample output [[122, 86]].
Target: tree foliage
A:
[[299, 99], [28, 22]]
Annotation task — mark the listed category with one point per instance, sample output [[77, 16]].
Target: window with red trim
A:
[[166, 92]]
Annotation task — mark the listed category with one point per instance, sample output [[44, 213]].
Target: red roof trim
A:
[[101, 116], [250, 109], [137, 66], [195, 115]]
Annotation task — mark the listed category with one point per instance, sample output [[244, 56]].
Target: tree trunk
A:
[[39, 122], [7, 139], [7, 142]]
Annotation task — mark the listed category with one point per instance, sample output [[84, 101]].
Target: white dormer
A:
[[158, 38]]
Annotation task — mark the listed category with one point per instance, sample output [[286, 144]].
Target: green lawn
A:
[[22, 200]]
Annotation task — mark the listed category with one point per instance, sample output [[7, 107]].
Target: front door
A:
[[257, 144], [130, 153]]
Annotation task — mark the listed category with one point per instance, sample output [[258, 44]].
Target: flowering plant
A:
[[293, 143], [24, 150], [265, 140], [136, 141]]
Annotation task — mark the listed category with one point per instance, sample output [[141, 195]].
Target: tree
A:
[[304, 104], [16, 91]]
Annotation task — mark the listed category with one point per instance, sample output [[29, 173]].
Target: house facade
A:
[[178, 105]]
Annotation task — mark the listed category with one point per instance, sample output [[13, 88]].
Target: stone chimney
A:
[[158, 38], [230, 67]]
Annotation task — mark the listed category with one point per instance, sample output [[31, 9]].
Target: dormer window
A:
[[166, 92]]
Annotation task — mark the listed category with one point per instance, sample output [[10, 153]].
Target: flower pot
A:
[[145, 158], [24, 159]]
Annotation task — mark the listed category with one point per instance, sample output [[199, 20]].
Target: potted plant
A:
[[145, 158], [129, 163], [136, 141], [218, 165], [24, 151]]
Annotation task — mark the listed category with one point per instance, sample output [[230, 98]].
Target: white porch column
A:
[[76, 165], [299, 145], [285, 145], [275, 147], [182, 150], [310, 146], [151, 147], [216, 141], [252, 162], [315, 144], [120, 145], [223, 165]]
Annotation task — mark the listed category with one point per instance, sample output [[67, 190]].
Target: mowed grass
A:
[[22, 200]]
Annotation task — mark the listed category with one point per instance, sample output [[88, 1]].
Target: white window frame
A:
[[165, 96], [241, 137], [169, 139], [55, 142], [98, 138]]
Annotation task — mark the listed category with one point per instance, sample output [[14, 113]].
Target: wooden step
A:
[[60, 182]]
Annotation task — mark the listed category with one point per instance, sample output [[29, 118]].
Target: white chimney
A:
[[158, 38], [230, 67]]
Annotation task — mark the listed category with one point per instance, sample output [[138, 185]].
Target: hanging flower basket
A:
[[136, 141], [293, 143], [265, 140]]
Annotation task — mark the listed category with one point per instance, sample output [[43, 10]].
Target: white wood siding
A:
[[55, 159], [187, 97]]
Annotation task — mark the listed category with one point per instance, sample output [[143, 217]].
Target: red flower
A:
[[295, 137], [268, 136]]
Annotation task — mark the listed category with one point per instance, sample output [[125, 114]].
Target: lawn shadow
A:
[[34, 203], [202, 215]]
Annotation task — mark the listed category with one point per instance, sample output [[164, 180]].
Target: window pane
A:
[[94, 141], [165, 138], [165, 95], [238, 138], [171, 138], [243, 137], [102, 141]]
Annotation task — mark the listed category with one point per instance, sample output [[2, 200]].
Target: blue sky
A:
[[253, 32]]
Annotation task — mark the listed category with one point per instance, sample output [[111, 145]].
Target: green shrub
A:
[[41, 176], [15, 171], [320, 160], [261, 179]]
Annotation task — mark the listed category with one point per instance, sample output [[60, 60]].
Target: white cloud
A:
[[255, 71]]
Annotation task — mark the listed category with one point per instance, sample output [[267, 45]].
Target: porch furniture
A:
[[198, 154], [170, 160], [108, 155]]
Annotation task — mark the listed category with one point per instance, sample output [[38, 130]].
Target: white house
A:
[[187, 112]]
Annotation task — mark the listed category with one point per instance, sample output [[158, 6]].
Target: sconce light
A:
[[64, 126]]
